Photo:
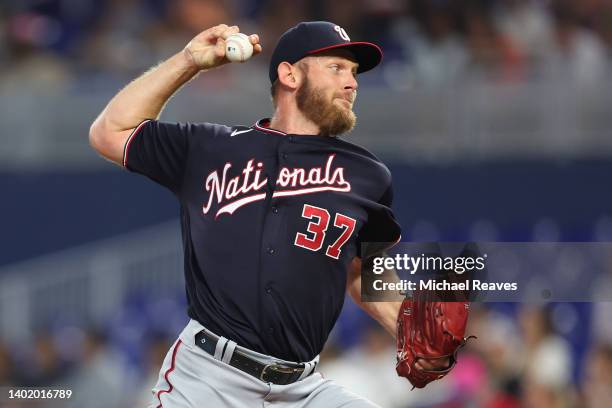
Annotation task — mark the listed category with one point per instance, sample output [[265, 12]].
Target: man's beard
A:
[[332, 119]]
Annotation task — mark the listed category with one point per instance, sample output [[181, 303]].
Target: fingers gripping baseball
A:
[[208, 49]]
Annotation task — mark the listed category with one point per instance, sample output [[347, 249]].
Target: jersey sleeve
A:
[[381, 231], [160, 151]]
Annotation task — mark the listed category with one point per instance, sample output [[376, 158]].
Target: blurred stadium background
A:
[[495, 117]]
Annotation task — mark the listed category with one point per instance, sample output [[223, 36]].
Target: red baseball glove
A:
[[429, 330]]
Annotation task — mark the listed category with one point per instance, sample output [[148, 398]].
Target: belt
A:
[[276, 373]]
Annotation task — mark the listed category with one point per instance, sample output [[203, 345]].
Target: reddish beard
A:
[[332, 119]]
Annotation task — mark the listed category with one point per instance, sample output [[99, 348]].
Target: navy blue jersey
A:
[[270, 224]]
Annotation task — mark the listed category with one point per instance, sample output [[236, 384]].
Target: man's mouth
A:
[[348, 103]]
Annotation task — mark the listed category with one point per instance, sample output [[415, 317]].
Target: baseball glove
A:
[[429, 330]]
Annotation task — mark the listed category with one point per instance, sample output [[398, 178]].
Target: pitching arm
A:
[[146, 96]]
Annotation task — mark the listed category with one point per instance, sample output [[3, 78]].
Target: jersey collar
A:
[[263, 125]]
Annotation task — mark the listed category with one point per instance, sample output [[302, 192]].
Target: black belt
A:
[[281, 374]]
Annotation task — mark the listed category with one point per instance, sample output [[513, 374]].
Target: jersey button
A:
[[270, 250], [268, 291], [275, 210], [284, 156], [271, 329]]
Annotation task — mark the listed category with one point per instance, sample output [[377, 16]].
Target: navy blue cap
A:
[[312, 37]]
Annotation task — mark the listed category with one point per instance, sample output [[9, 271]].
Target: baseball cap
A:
[[312, 37]]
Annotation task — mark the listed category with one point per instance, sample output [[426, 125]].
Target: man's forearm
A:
[[143, 98], [146, 96], [384, 312]]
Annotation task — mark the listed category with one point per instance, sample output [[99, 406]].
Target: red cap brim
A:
[[368, 55]]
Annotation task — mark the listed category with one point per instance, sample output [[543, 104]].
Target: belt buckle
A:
[[283, 370]]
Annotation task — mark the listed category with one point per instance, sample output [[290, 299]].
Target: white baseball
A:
[[238, 48]]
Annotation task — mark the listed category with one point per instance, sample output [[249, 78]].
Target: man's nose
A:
[[351, 83]]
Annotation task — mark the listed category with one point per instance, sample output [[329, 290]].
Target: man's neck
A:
[[294, 124]]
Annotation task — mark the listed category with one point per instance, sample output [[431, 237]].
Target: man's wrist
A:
[[187, 63]]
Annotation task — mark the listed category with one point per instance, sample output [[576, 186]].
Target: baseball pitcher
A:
[[272, 219]]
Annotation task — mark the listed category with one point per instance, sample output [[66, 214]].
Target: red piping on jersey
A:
[[129, 140], [395, 243], [397, 240], [267, 129], [172, 366]]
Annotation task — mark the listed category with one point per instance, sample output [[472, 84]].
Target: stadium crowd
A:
[[426, 42]]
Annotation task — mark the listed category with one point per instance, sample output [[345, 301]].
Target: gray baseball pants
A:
[[191, 378]]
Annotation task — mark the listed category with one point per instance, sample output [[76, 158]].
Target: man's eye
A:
[[335, 67]]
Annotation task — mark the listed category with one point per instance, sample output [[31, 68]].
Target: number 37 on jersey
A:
[[314, 236]]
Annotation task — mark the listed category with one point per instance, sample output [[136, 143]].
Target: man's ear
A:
[[289, 75]]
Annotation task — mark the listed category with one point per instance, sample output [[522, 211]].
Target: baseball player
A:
[[272, 218]]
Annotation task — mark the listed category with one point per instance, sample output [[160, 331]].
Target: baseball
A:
[[238, 48]]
